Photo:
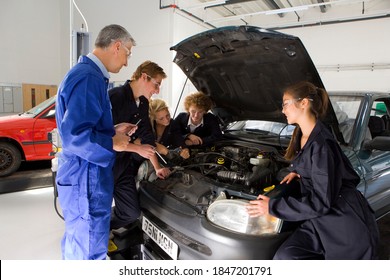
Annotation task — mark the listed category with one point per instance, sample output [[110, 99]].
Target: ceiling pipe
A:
[[350, 67], [318, 23], [173, 6], [329, 22], [270, 3], [295, 12], [274, 6], [227, 2], [285, 10], [323, 8], [206, 4], [234, 14]]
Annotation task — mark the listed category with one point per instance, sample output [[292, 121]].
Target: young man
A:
[[130, 104], [197, 125], [83, 113]]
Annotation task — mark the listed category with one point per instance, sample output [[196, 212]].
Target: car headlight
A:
[[145, 172], [231, 214]]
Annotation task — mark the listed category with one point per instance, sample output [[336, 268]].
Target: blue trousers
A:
[[85, 193]]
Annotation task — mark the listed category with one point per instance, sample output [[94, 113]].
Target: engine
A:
[[238, 169], [236, 164]]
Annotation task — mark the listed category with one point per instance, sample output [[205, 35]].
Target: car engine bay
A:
[[240, 170]]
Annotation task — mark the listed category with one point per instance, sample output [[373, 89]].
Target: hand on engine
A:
[[185, 153], [258, 207], [163, 173]]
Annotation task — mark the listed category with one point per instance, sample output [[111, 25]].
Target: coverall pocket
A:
[[94, 192]]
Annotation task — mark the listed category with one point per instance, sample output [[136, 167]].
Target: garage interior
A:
[[348, 39]]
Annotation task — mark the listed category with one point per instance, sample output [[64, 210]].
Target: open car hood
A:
[[244, 69]]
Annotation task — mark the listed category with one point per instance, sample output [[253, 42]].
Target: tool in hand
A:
[[160, 156], [136, 124]]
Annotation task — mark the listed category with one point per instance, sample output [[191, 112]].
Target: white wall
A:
[[35, 42], [30, 41], [188, 27], [355, 43], [35, 36], [150, 27]]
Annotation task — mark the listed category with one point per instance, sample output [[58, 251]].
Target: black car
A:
[[198, 212]]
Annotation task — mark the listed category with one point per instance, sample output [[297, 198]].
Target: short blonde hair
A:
[[156, 105]]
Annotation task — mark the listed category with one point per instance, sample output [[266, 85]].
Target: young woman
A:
[[337, 222], [161, 121]]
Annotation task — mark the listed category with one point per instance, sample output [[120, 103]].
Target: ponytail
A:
[[293, 146], [318, 107]]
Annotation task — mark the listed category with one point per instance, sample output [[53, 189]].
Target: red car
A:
[[25, 136]]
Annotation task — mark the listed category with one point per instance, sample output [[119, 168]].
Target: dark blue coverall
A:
[[125, 109], [170, 138], [84, 177], [209, 131], [337, 222]]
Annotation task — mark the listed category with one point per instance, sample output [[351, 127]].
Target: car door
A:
[[44, 123], [376, 162]]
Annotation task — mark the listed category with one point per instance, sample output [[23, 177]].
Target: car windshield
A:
[[41, 106], [346, 109], [262, 127], [345, 106]]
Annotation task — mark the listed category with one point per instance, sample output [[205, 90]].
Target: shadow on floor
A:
[[31, 175]]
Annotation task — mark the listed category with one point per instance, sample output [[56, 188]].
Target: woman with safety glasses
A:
[[336, 219], [161, 121]]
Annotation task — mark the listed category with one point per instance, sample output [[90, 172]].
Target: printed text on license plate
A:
[[160, 238]]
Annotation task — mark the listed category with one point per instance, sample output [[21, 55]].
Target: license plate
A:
[[161, 239]]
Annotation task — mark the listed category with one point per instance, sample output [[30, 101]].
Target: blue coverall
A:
[[84, 177]]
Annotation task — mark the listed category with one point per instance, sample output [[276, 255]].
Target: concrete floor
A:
[[30, 228]]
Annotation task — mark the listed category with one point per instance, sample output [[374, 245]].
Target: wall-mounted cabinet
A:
[[10, 98]]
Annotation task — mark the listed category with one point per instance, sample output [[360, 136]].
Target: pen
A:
[[129, 133], [160, 156]]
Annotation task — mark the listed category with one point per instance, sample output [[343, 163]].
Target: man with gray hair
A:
[[89, 141]]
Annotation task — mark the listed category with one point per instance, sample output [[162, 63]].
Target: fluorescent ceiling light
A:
[[286, 10], [217, 2]]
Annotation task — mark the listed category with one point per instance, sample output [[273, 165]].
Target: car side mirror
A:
[[381, 143], [51, 114]]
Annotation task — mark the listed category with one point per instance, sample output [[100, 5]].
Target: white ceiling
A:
[[278, 14]]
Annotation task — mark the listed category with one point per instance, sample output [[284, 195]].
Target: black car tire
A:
[[10, 159]]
